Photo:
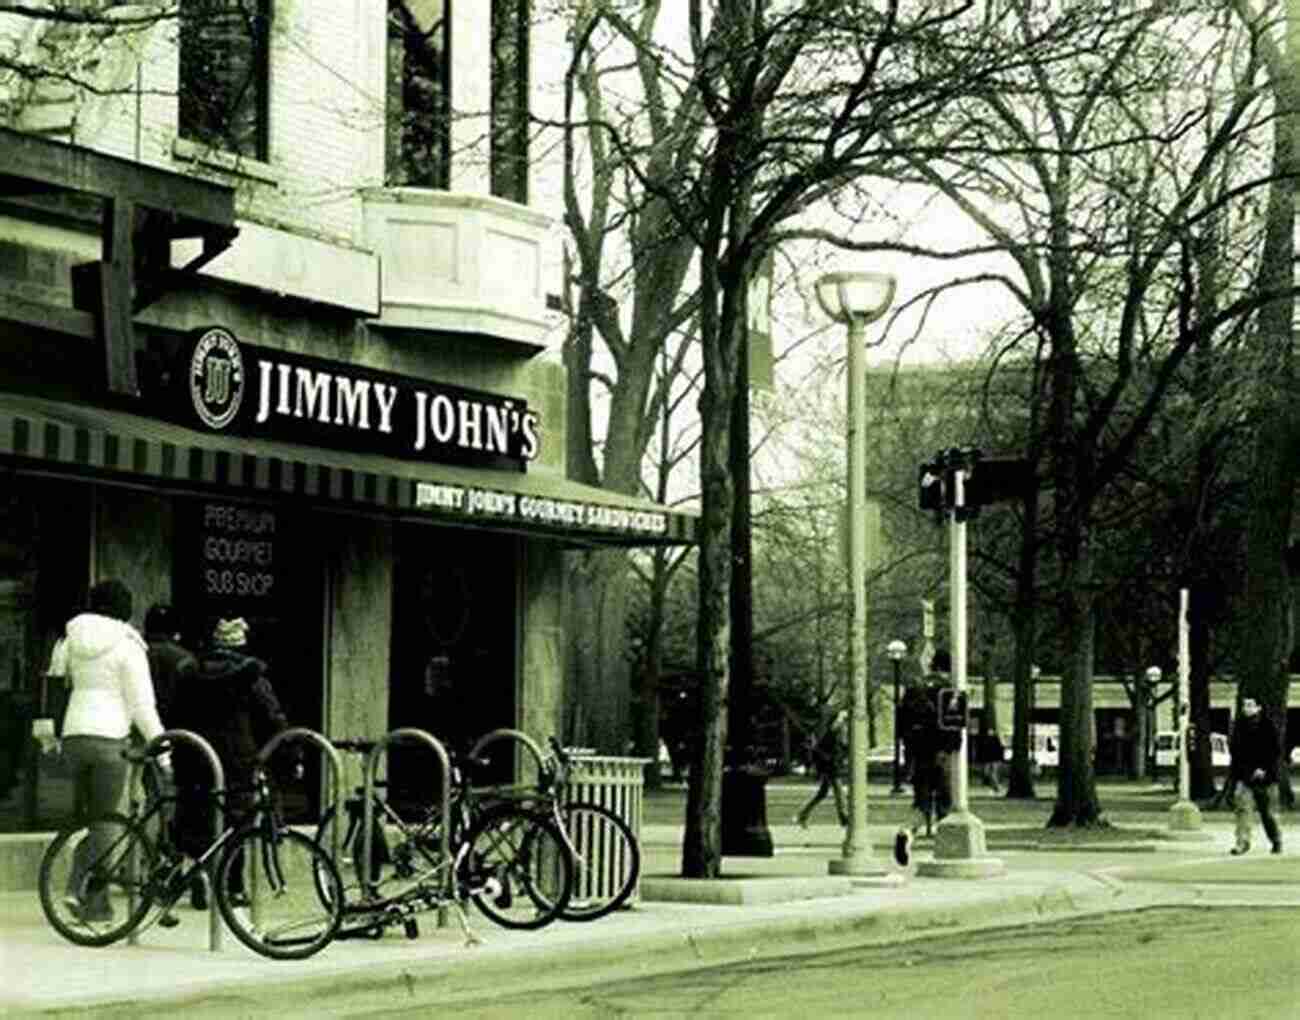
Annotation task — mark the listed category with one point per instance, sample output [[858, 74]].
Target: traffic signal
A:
[[932, 487], [986, 480], [952, 709], [998, 480]]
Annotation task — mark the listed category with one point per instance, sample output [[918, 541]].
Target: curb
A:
[[683, 939]]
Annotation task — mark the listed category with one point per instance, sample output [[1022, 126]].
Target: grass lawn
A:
[[1256, 868]]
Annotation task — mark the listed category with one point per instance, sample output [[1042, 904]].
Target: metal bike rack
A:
[[493, 736], [301, 733], [331, 754], [404, 734], [218, 788]]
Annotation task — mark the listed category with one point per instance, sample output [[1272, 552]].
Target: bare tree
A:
[[1266, 659], [1090, 179]]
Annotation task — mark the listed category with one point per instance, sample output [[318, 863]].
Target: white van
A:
[[1044, 746], [1167, 750]]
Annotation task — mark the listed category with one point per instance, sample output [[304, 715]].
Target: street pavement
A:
[[785, 907]]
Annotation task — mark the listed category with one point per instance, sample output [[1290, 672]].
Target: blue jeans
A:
[[99, 774]]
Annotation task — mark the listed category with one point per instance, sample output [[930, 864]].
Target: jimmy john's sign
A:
[[519, 508], [225, 385]]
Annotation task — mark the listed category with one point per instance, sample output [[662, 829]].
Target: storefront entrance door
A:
[[455, 622]]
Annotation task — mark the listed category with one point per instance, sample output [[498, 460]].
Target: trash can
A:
[[615, 783]]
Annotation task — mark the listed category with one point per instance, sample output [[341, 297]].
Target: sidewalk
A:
[[174, 970]]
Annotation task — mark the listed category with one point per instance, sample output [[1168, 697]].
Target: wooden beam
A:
[[30, 314], [46, 163]]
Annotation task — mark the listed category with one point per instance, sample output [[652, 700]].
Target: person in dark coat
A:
[[172, 667], [233, 706], [927, 749], [1255, 751], [828, 756]]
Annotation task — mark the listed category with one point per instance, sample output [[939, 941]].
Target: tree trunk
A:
[[702, 839], [1267, 605], [1076, 783], [598, 669]]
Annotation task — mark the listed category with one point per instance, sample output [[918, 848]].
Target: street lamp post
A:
[[855, 299], [1184, 815], [896, 650]]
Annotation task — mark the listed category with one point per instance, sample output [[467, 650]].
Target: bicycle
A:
[[598, 890], [102, 880], [514, 865], [608, 872], [606, 854]]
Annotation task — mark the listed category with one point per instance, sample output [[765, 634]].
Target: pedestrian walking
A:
[[1255, 751], [106, 663], [231, 704], [988, 752], [828, 756], [927, 748]]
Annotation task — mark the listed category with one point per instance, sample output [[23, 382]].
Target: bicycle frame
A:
[[179, 876]]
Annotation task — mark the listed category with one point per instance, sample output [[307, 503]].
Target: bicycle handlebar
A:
[[141, 755]]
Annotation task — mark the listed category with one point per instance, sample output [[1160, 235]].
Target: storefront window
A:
[[254, 561], [510, 99], [224, 74], [44, 561]]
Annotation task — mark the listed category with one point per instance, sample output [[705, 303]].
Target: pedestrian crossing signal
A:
[[952, 709]]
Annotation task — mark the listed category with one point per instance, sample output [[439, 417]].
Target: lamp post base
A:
[[859, 864], [960, 850], [1185, 822]]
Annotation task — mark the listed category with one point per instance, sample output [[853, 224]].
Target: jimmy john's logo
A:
[[216, 377], [249, 390]]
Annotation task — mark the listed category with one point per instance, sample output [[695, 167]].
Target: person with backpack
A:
[[828, 755], [928, 748], [232, 705]]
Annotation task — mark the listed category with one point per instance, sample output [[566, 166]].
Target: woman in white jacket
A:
[[105, 660]]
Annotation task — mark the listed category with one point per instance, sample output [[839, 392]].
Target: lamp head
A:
[[1153, 674], [855, 297], [896, 649]]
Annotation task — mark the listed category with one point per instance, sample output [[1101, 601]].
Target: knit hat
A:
[[231, 632]]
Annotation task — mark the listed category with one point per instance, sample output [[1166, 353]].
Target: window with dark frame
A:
[[418, 130], [509, 118], [225, 74]]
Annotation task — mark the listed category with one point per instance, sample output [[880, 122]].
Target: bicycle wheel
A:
[[293, 893], [516, 868], [610, 865], [94, 880]]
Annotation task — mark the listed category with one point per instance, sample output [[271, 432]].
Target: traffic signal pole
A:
[[960, 850], [960, 773]]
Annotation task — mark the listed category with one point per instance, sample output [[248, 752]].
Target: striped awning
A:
[[65, 438]]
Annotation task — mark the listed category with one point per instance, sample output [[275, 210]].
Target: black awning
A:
[[74, 439]]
